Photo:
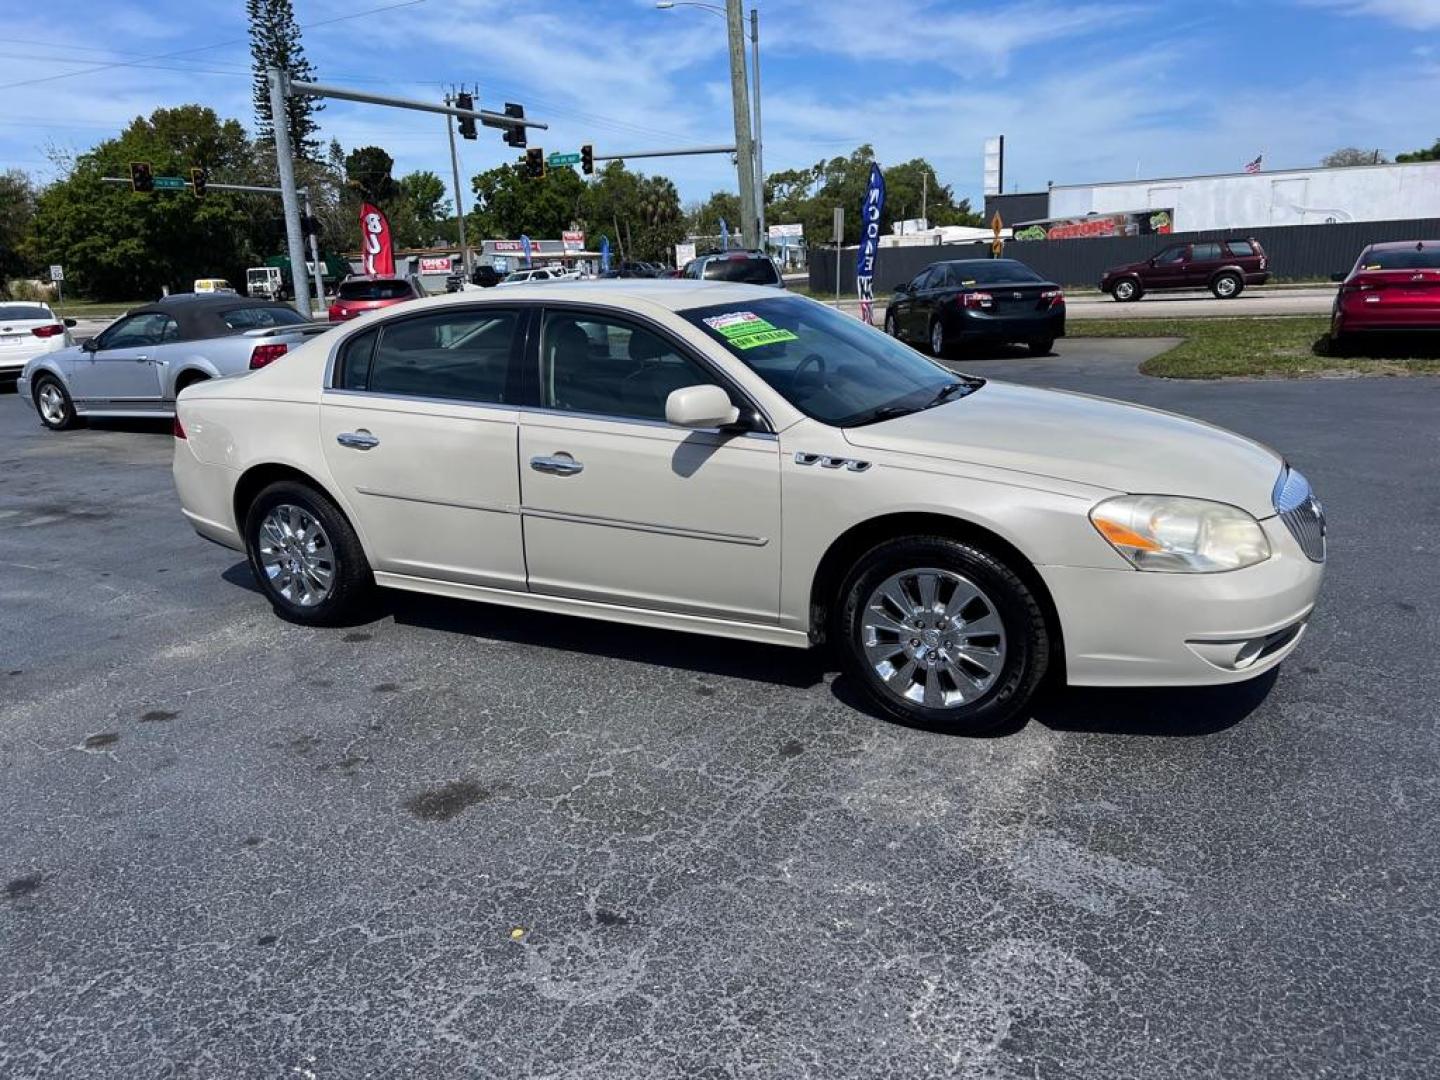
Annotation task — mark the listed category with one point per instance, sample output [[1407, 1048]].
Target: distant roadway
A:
[[1257, 300]]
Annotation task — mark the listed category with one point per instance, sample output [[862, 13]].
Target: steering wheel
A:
[[802, 382]]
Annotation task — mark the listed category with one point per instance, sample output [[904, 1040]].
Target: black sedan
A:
[[977, 300]]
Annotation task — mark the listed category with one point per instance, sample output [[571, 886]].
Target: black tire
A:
[[936, 339], [1027, 638], [891, 326], [1044, 347], [67, 418], [1125, 290], [190, 379], [352, 583], [1336, 345], [1227, 286]]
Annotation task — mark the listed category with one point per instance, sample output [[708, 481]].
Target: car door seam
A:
[[648, 527]]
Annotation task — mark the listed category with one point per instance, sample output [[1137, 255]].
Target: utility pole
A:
[[459, 205], [315, 252], [744, 144], [759, 141], [285, 165], [924, 198]]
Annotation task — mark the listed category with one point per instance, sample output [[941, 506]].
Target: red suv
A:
[[357, 295], [1224, 267]]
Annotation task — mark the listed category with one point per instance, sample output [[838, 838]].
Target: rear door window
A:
[[458, 355], [1205, 253]]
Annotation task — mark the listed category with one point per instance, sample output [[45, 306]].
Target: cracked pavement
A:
[[466, 841]]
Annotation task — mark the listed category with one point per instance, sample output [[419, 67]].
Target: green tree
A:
[[1352, 155], [421, 213], [1430, 154], [367, 171], [509, 204], [17, 214], [117, 244], [275, 42], [704, 220]]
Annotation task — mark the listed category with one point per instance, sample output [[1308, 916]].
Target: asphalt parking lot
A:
[[462, 841]]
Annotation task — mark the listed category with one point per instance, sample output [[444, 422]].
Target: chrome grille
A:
[[1301, 512]]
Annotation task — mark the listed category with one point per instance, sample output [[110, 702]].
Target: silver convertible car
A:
[[732, 460], [137, 364]]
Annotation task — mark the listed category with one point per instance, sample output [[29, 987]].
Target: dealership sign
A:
[[574, 240], [1132, 223], [436, 265], [793, 230]]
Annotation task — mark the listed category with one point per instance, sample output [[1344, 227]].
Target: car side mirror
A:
[[90, 345], [904, 286], [706, 406], [68, 322], [1339, 275]]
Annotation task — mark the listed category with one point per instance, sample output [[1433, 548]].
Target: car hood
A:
[[1086, 440], [1128, 268]]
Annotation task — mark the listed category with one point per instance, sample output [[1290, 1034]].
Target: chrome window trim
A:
[[637, 421], [645, 526]]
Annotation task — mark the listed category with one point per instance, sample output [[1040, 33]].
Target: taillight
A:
[[265, 354], [976, 299], [1055, 296], [176, 428], [47, 331]]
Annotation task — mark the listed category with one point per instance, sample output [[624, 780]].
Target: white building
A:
[[1244, 200]]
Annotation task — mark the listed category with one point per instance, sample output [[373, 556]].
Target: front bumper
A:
[[1132, 628]]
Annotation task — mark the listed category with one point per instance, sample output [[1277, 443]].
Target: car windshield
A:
[[992, 272], [742, 269], [378, 289], [1404, 259], [830, 366], [19, 312]]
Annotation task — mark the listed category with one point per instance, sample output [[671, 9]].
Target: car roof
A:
[[198, 314], [673, 294], [1403, 245]]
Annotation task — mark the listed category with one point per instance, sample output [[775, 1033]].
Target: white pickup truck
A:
[[136, 365]]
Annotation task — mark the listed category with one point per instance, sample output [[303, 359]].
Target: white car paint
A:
[[18, 341], [722, 533]]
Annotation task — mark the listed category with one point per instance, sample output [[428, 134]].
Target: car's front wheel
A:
[[891, 326], [305, 556], [1126, 289], [942, 634], [52, 402]]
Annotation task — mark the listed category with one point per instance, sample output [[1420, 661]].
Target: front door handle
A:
[[561, 464], [357, 440], [142, 359]]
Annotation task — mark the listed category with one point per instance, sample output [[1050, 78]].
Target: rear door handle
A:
[[357, 440], [561, 464]]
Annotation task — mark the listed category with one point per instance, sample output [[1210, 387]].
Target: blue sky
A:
[[1081, 90]]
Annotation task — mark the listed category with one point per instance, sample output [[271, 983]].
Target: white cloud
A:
[[1412, 14]]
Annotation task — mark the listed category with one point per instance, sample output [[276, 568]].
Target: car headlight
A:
[[1196, 536]]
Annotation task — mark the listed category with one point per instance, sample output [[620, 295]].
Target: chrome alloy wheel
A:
[[296, 555], [933, 637], [1226, 287], [51, 401]]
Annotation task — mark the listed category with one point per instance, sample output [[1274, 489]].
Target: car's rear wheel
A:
[[938, 345], [942, 634], [1043, 347], [52, 402], [1126, 289], [1226, 286], [305, 556]]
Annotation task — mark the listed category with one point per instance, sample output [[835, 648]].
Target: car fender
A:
[[177, 370], [1229, 269]]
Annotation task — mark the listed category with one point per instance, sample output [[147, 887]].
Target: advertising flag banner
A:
[[870, 211], [525, 247], [376, 252], [724, 235], [605, 254]]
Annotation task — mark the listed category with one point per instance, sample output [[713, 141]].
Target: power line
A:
[[200, 48]]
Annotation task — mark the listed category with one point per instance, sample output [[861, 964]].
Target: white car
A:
[[27, 330], [735, 461], [530, 277]]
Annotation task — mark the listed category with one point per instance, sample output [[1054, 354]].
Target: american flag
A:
[[1254, 166]]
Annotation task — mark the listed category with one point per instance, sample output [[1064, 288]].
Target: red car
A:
[[357, 295], [1393, 288]]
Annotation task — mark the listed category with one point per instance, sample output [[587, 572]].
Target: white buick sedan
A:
[[726, 460]]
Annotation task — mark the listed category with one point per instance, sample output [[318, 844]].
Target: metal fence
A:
[[1295, 251]]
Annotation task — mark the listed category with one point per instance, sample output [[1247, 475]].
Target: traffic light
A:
[[199, 178], [587, 159], [515, 136], [141, 178], [535, 163], [467, 123]]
